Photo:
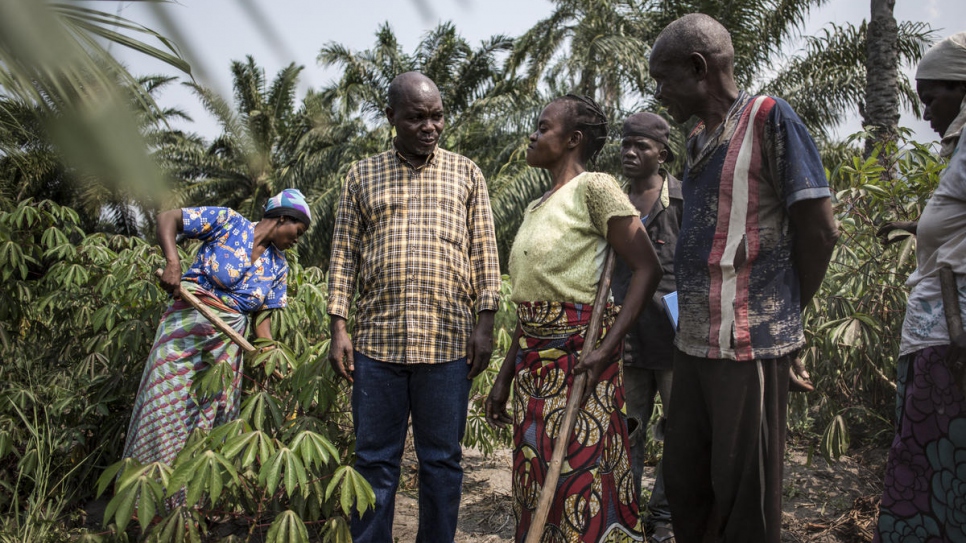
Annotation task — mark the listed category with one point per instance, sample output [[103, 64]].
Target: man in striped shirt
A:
[[755, 241], [414, 236]]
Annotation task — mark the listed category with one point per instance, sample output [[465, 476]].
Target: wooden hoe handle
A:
[[210, 315], [539, 519], [954, 321], [947, 281]]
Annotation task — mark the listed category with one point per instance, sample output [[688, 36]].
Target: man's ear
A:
[[662, 156], [699, 65], [391, 116]]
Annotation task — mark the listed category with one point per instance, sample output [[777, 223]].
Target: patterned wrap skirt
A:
[[924, 498], [167, 408], [595, 498]]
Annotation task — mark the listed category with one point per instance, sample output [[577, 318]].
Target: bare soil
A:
[[822, 503]]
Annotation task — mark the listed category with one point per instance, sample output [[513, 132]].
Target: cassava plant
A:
[[77, 317], [853, 324]]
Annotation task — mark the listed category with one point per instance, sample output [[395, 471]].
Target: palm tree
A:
[[33, 164], [52, 56], [243, 166], [881, 111], [600, 47], [29, 164], [463, 74], [365, 74], [759, 29], [607, 43], [827, 80]]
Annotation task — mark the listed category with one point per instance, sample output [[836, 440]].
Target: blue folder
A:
[[671, 308]]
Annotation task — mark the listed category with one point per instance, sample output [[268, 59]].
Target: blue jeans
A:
[[384, 395]]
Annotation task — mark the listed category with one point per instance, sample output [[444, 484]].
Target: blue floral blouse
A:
[[223, 265]]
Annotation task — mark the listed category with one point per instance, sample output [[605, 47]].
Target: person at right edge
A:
[[649, 345], [755, 242], [924, 497]]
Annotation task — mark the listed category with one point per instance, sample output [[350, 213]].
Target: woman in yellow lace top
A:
[[555, 266]]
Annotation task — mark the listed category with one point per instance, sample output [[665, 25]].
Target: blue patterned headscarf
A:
[[289, 203]]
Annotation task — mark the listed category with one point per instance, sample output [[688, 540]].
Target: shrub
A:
[[853, 324]]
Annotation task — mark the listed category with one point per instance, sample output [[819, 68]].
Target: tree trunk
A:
[[881, 112]]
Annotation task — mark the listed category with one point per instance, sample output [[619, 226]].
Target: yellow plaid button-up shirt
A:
[[419, 244]]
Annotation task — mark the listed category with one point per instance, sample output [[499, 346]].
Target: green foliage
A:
[[853, 323], [244, 166], [78, 311], [282, 463], [55, 58], [288, 527], [592, 47], [835, 440], [34, 164], [826, 79], [479, 433], [77, 318]]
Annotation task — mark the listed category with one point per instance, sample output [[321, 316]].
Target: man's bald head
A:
[[697, 33], [415, 112], [407, 85]]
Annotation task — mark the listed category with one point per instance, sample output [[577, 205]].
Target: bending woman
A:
[[925, 479], [240, 270], [555, 265]]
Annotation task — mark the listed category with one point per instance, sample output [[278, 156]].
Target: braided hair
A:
[[588, 117]]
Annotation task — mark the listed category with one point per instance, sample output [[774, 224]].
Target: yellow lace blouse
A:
[[558, 253]]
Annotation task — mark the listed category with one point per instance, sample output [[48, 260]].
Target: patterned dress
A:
[[556, 263], [595, 498], [168, 406], [925, 481]]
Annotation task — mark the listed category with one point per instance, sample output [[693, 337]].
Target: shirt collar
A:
[[665, 195], [429, 160], [711, 142]]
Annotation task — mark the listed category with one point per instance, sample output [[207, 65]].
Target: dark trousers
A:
[[384, 395], [724, 449], [641, 387]]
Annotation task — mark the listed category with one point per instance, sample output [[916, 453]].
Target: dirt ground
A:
[[822, 503]]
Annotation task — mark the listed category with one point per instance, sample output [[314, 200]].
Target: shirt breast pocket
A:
[[450, 220]]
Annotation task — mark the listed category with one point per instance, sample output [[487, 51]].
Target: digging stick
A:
[[210, 315], [954, 321], [573, 404]]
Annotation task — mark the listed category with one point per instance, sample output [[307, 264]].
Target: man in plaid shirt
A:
[[414, 235]]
